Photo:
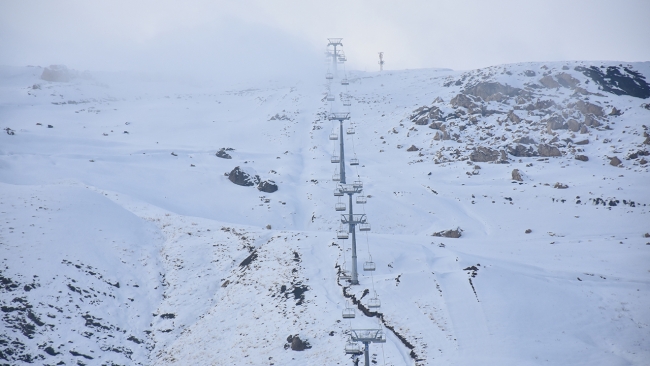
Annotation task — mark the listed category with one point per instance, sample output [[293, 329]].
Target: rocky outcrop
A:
[[549, 82], [516, 175], [559, 185], [555, 122], [566, 80], [297, 344], [618, 80], [267, 186], [591, 121], [512, 117], [492, 91], [582, 157], [548, 150], [525, 140], [484, 154], [462, 100], [521, 151], [223, 154], [242, 178], [582, 142], [573, 125], [455, 233], [530, 73], [412, 148], [614, 161], [589, 108]]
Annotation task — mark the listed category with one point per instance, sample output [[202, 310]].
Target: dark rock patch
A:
[[240, 177], [267, 186], [548, 150], [582, 158], [627, 82], [451, 233]]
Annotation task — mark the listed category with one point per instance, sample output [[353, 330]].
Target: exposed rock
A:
[[525, 140], [591, 121], [491, 91], [528, 231], [512, 117], [462, 100], [646, 106], [584, 129], [516, 175], [555, 122], [559, 185], [628, 82], [582, 142], [267, 186], [549, 82], [223, 154], [589, 108], [615, 112], [484, 154], [456, 233], [548, 150], [573, 125], [242, 178], [566, 80], [441, 136], [436, 125], [582, 158], [412, 148], [530, 73], [298, 344], [615, 161], [522, 151]]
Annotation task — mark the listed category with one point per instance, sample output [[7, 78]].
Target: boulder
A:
[[484, 154], [456, 233], [589, 108], [512, 117], [525, 140], [615, 112], [412, 148], [297, 344], [223, 154], [555, 122], [559, 185], [573, 125], [548, 150], [530, 73], [566, 80], [549, 82], [516, 175], [582, 142], [614, 161], [462, 100], [267, 186], [242, 178], [591, 121], [584, 129], [521, 151], [582, 157]]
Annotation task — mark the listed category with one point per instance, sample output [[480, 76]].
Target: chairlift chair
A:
[[345, 275], [342, 234], [334, 136], [350, 131], [352, 348], [347, 103], [329, 76], [336, 177], [348, 312], [338, 193], [335, 159], [364, 227], [345, 82], [354, 161], [330, 97], [369, 266], [340, 206], [357, 184], [374, 302], [361, 200]]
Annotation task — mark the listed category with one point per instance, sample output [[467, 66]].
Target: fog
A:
[[253, 39]]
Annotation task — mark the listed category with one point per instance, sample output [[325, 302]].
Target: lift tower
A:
[[367, 336], [334, 42], [340, 117], [381, 61]]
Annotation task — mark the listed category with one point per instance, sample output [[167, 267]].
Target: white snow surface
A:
[[117, 252]]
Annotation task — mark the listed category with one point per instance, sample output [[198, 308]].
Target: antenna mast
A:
[[381, 61]]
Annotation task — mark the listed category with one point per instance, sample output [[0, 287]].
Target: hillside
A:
[[123, 240]]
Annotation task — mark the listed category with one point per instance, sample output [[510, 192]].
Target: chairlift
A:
[[348, 312], [369, 265], [357, 184], [354, 161], [364, 227], [350, 131], [345, 82], [342, 234], [345, 275], [352, 348], [330, 97], [338, 193], [361, 200], [334, 136], [336, 177], [374, 302], [346, 102], [329, 76], [335, 159], [340, 206]]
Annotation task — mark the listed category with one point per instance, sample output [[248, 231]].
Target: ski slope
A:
[[123, 241]]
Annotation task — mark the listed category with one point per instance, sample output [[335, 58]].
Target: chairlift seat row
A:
[[348, 313], [330, 98], [360, 200], [342, 235], [364, 227], [345, 82], [336, 177], [335, 159], [340, 206], [334, 136], [350, 131], [352, 348], [354, 161], [369, 266], [374, 303], [329, 76]]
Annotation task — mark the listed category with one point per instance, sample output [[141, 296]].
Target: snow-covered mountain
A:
[[124, 240]]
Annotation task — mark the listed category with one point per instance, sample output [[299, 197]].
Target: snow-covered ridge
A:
[[116, 251]]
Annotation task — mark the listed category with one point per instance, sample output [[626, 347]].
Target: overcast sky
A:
[[273, 37]]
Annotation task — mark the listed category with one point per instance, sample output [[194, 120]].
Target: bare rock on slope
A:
[[549, 82], [484, 154], [223, 154], [589, 108], [618, 80], [267, 186], [297, 344], [548, 150], [521, 151], [455, 233], [516, 175], [582, 157], [615, 161], [492, 91], [573, 125], [462, 100], [242, 178], [566, 80]]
